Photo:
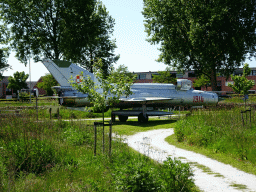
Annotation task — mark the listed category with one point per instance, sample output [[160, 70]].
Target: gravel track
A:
[[209, 175]]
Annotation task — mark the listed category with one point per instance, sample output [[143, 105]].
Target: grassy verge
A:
[[221, 157], [220, 135]]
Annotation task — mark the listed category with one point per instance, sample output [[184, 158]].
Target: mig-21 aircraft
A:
[[144, 101]]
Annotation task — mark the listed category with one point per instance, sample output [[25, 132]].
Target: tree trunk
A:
[[213, 79], [91, 61]]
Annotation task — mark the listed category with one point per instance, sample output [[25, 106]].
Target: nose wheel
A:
[[122, 118]]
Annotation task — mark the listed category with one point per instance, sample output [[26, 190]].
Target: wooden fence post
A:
[[58, 113], [110, 138], [242, 117], [103, 134], [50, 111], [250, 117], [95, 138], [36, 109]]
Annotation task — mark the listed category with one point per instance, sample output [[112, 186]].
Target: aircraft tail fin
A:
[[63, 70]]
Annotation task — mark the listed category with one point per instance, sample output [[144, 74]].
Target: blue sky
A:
[[135, 52]]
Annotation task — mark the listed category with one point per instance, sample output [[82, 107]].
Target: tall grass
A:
[[46, 155], [42, 101], [222, 131], [239, 99]]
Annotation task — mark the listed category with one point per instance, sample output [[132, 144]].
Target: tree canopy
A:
[[18, 81], [201, 81], [242, 85], [59, 29], [164, 77], [102, 46], [47, 83], [4, 51], [204, 35], [3, 63]]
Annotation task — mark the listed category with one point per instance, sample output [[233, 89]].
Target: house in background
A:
[[222, 83], [3, 87], [34, 85], [6, 93], [145, 77]]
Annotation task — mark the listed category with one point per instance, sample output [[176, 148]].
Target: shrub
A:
[[138, 175], [176, 175]]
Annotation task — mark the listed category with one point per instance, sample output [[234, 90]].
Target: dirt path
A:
[[209, 174]]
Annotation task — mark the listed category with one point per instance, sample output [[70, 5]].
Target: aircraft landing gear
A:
[[113, 118], [122, 118], [142, 119]]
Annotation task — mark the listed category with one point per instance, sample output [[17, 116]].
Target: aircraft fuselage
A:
[[149, 94]]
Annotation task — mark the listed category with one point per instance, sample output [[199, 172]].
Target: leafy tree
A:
[[3, 63], [241, 84], [106, 91], [4, 52], [58, 28], [102, 46], [164, 77], [18, 81], [202, 81], [203, 35], [47, 83]]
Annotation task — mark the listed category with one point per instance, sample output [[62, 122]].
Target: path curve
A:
[[222, 178]]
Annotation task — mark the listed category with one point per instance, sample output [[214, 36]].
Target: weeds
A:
[[221, 131], [48, 155], [142, 174], [32, 156]]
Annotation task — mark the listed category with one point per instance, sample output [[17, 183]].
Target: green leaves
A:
[[47, 83], [59, 29], [206, 36], [98, 44], [164, 77], [138, 175], [201, 81], [18, 81], [104, 92], [4, 51], [242, 85]]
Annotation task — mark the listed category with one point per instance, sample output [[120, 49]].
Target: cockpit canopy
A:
[[184, 84]]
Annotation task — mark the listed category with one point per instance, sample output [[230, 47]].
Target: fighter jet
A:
[[146, 97]]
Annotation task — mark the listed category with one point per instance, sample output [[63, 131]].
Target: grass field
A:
[[221, 134], [42, 154], [239, 99]]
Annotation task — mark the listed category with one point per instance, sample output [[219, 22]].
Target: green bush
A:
[[140, 175], [136, 177], [176, 175]]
